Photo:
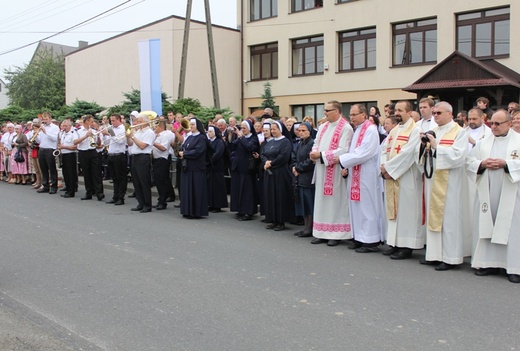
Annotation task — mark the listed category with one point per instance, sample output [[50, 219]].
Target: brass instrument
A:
[[56, 153], [152, 116], [33, 138], [185, 125]]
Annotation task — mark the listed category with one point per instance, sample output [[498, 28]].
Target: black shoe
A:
[[298, 233], [270, 226], [333, 243], [367, 249], [513, 278], [263, 220], [487, 271], [146, 210], [100, 197], [138, 208], [353, 244], [86, 197], [402, 254], [42, 190], [429, 263], [170, 199], [131, 195], [155, 206], [319, 241], [445, 266], [305, 235], [392, 250], [245, 217], [53, 191], [119, 202], [279, 228], [113, 201], [66, 196], [161, 207], [216, 210], [238, 215], [63, 189], [177, 206]]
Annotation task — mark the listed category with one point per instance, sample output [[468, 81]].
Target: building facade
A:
[[103, 71], [368, 51], [4, 99]]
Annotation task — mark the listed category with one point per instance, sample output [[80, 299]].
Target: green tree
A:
[[204, 114], [39, 85], [132, 102], [268, 100], [80, 108], [185, 106]]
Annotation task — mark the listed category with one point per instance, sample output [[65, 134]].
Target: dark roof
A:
[[460, 71]]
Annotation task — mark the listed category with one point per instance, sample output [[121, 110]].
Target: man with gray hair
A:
[[448, 237]]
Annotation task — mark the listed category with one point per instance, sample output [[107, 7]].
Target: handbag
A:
[[252, 164], [18, 156]]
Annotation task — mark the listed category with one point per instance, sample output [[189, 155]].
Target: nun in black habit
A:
[[244, 199], [217, 193], [194, 186], [276, 159]]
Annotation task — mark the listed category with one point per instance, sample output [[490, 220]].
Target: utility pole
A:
[[213, 67], [184, 55]]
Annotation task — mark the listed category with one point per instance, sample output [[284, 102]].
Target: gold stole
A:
[[440, 186], [392, 185]]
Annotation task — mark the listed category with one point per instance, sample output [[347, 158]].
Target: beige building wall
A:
[[382, 84], [103, 71]]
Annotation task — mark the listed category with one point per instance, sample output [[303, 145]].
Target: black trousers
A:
[[171, 192], [142, 179], [178, 171], [90, 164], [117, 165], [70, 172], [161, 173], [48, 167]]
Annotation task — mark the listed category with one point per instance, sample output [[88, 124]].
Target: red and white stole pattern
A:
[[355, 185], [328, 187]]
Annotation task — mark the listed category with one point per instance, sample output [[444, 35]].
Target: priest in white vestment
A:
[[403, 186], [364, 182], [494, 165], [448, 237], [476, 128], [331, 208]]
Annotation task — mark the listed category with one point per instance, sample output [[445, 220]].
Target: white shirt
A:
[[117, 143], [147, 136], [67, 139], [426, 125], [164, 140], [85, 144], [49, 139], [7, 140]]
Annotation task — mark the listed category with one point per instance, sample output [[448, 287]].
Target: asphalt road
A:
[[84, 275]]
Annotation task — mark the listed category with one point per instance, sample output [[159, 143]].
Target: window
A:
[[307, 56], [302, 5], [345, 106], [315, 111], [357, 49], [264, 61], [342, 1], [484, 34], [261, 9], [415, 42]]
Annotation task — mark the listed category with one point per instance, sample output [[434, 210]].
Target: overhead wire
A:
[[66, 30]]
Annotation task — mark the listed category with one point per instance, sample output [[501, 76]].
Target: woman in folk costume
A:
[[19, 169], [217, 194], [278, 189], [194, 186]]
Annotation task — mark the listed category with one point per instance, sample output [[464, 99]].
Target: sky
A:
[[23, 22]]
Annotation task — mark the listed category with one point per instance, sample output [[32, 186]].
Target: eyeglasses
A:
[[332, 109], [355, 114], [496, 124], [438, 113]]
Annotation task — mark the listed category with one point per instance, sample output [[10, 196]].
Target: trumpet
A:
[[108, 128], [151, 122], [33, 138]]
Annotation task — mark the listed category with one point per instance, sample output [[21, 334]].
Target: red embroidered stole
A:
[[355, 186], [329, 155]]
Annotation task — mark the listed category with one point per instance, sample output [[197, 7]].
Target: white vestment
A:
[[497, 204], [478, 134], [366, 214], [331, 212], [406, 230], [453, 242], [425, 126]]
